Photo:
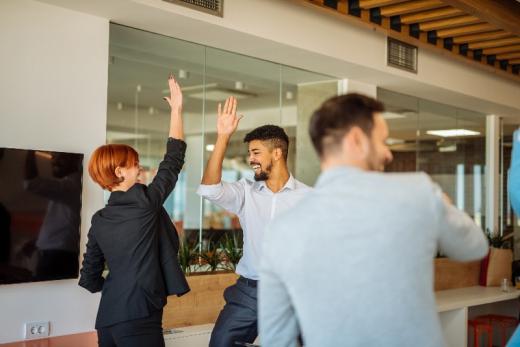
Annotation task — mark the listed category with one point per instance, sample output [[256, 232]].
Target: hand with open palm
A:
[[175, 98], [227, 119]]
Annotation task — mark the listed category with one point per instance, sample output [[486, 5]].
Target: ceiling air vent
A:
[[402, 55], [213, 7]]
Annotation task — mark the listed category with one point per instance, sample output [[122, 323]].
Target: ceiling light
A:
[[220, 95], [210, 148], [451, 148], [452, 132], [392, 141], [113, 135], [138, 88], [212, 92], [183, 74], [119, 106], [393, 115], [239, 85], [197, 87], [151, 110], [289, 95]]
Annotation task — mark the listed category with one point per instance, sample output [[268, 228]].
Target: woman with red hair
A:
[[134, 235]]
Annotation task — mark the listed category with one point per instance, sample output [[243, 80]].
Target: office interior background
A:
[[77, 74]]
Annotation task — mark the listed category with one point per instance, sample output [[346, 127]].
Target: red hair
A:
[[106, 159]]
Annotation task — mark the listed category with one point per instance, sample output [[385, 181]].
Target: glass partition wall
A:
[[446, 142], [267, 93]]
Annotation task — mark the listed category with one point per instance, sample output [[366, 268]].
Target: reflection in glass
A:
[[267, 93], [446, 142], [40, 204]]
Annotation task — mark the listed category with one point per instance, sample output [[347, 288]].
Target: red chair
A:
[[503, 322], [481, 326]]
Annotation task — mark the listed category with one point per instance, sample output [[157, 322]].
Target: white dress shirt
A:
[[255, 205]]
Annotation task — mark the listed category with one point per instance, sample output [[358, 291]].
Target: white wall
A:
[[53, 90]]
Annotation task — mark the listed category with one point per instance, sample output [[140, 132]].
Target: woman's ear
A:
[[119, 173]]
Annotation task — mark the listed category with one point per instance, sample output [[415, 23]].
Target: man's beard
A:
[[263, 175]]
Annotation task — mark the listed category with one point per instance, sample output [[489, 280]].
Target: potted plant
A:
[[231, 247], [212, 255], [497, 265], [187, 255]]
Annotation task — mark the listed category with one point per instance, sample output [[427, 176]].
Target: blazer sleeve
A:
[[168, 173], [92, 268], [174, 280]]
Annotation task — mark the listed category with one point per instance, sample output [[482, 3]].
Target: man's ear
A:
[[361, 140], [278, 154], [356, 142]]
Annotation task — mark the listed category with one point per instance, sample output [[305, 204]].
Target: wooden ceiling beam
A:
[[449, 23], [500, 13], [481, 37], [514, 62], [500, 50], [465, 30], [364, 19], [495, 43], [410, 7], [508, 56], [368, 4], [425, 16]]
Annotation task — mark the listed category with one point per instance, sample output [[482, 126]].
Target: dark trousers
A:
[[142, 332], [237, 321]]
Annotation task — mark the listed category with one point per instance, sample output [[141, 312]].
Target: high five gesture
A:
[[175, 102], [227, 119], [227, 123]]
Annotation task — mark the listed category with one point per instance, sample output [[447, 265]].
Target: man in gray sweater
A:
[[352, 263]]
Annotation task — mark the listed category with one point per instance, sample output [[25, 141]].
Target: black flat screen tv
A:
[[40, 209]]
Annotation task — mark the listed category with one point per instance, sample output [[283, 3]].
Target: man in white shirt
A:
[[352, 263], [256, 204]]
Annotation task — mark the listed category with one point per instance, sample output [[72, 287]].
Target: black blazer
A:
[[137, 239]]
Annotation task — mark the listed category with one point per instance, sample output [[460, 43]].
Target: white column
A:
[[492, 173], [352, 86]]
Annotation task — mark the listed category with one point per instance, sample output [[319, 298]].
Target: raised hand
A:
[[227, 119], [175, 98]]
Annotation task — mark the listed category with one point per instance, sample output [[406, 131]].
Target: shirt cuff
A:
[[209, 191]]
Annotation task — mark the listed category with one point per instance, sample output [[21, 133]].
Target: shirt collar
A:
[[289, 185], [333, 173]]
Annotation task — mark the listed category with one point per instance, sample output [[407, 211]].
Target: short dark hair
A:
[[338, 115], [273, 134]]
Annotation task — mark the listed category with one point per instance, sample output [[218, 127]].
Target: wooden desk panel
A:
[[75, 340]]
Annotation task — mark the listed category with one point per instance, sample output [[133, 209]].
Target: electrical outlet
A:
[[37, 330]]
